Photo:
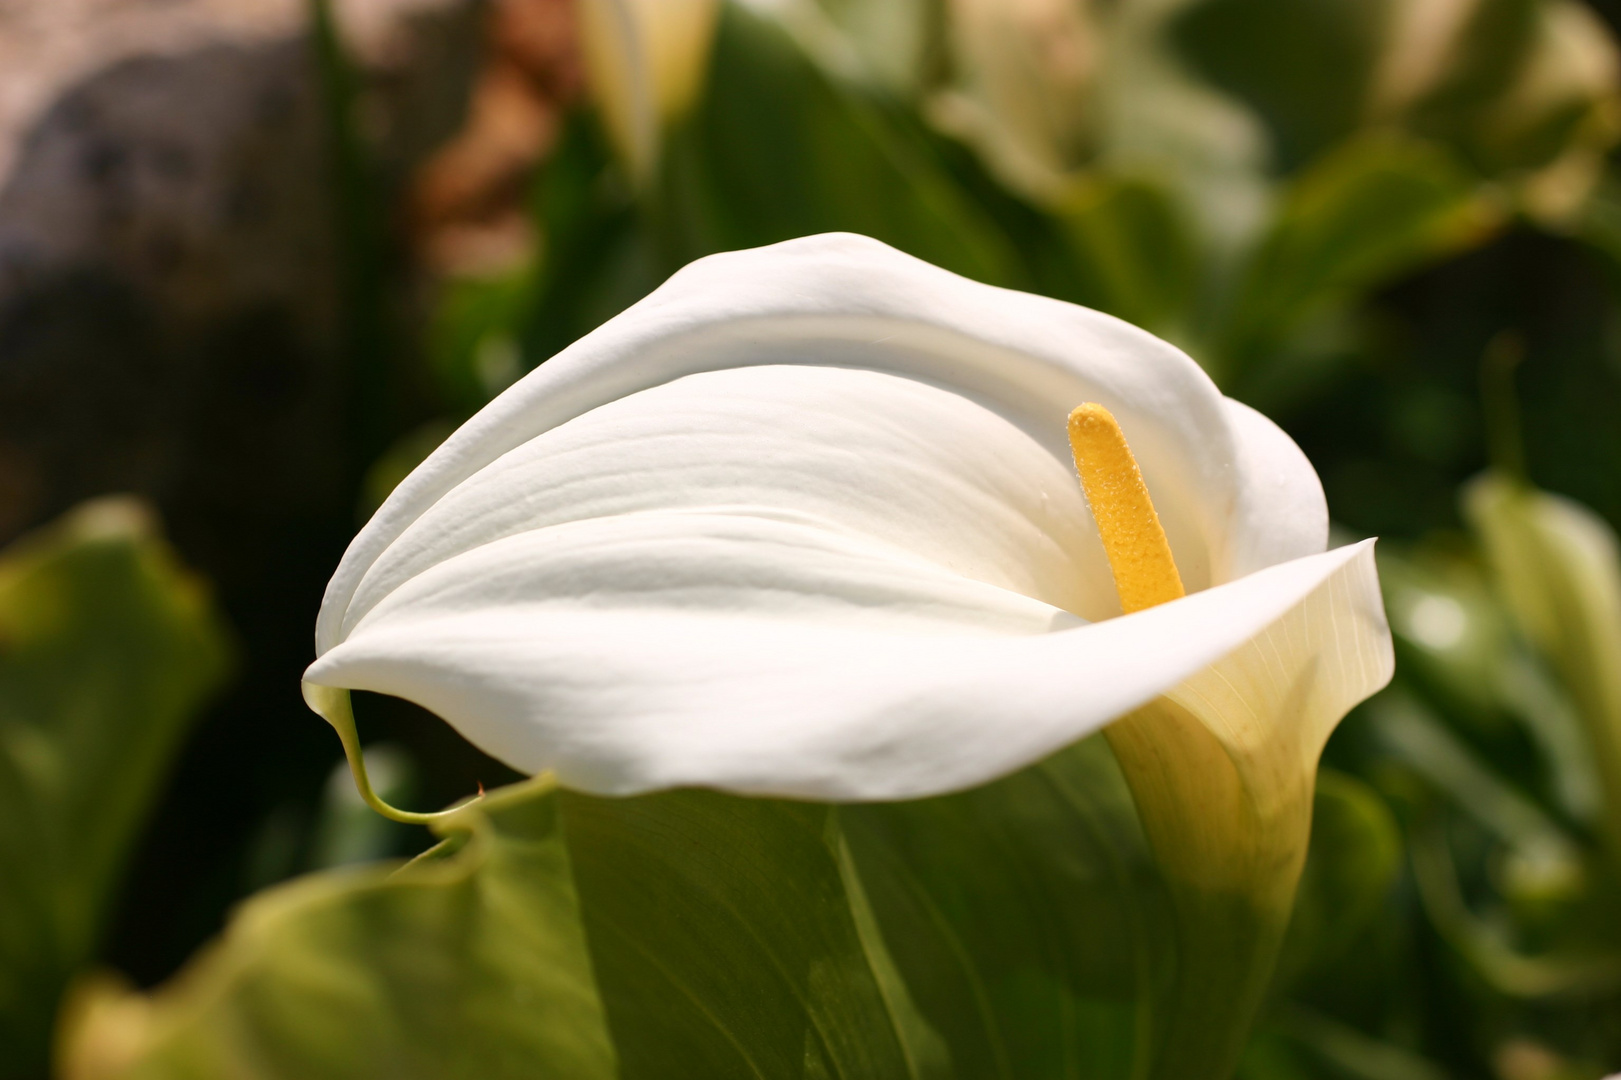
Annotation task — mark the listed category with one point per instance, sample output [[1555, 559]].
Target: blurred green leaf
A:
[[723, 941], [598, 257], [347, 830], [1587, 961], [107, 649], [1455, 643], [1024, 916], [1304, 67], [679, 934], [473, 338], [1375, 207], [1559, 567], [1417, 737], [404, 455], [1453, 93], [1300, 1043], [469, 962], [778, 149], [1524, 83], [1452, 635], [1353, 862], [1135, 248]]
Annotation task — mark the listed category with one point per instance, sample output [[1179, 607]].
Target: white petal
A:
[[885, 458], [1280, 512], [850, 302], [676, 648]]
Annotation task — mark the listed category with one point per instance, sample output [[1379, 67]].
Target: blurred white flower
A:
[[646, 61]]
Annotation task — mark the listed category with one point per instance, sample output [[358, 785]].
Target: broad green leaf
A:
[[1024, 917], [681, 934], [469, 962], [107, 649], [723, 940]]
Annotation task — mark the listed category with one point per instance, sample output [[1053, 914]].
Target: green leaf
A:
[[680, 934], [1135, 251], [1558, 565], [1491, 48], [1353, 862], [469, 962], [1304, 67], [1455, 645], [1376, 207], [1336, 1050], [1023, 915], [723, 940], [107, 649], [778, 149], [1415, 736]]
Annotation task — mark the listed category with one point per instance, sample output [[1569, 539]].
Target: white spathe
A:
[[804, 522]]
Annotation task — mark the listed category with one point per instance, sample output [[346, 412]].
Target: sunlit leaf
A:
[[682, 934], [465, 964], [107, 649]]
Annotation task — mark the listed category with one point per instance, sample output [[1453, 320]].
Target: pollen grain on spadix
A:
[[1139, 555]]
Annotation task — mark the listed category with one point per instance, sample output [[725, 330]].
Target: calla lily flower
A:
[[806, 522]]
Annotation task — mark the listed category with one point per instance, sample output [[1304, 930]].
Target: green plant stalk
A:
[[334, 706], [372, 399], [1231, 862]]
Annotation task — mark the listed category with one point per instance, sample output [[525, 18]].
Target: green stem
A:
[[371, 398], [334, 706], [1227, 947], [1231, 858]]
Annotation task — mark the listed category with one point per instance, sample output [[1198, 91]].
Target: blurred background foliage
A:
[[1392, 225]]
